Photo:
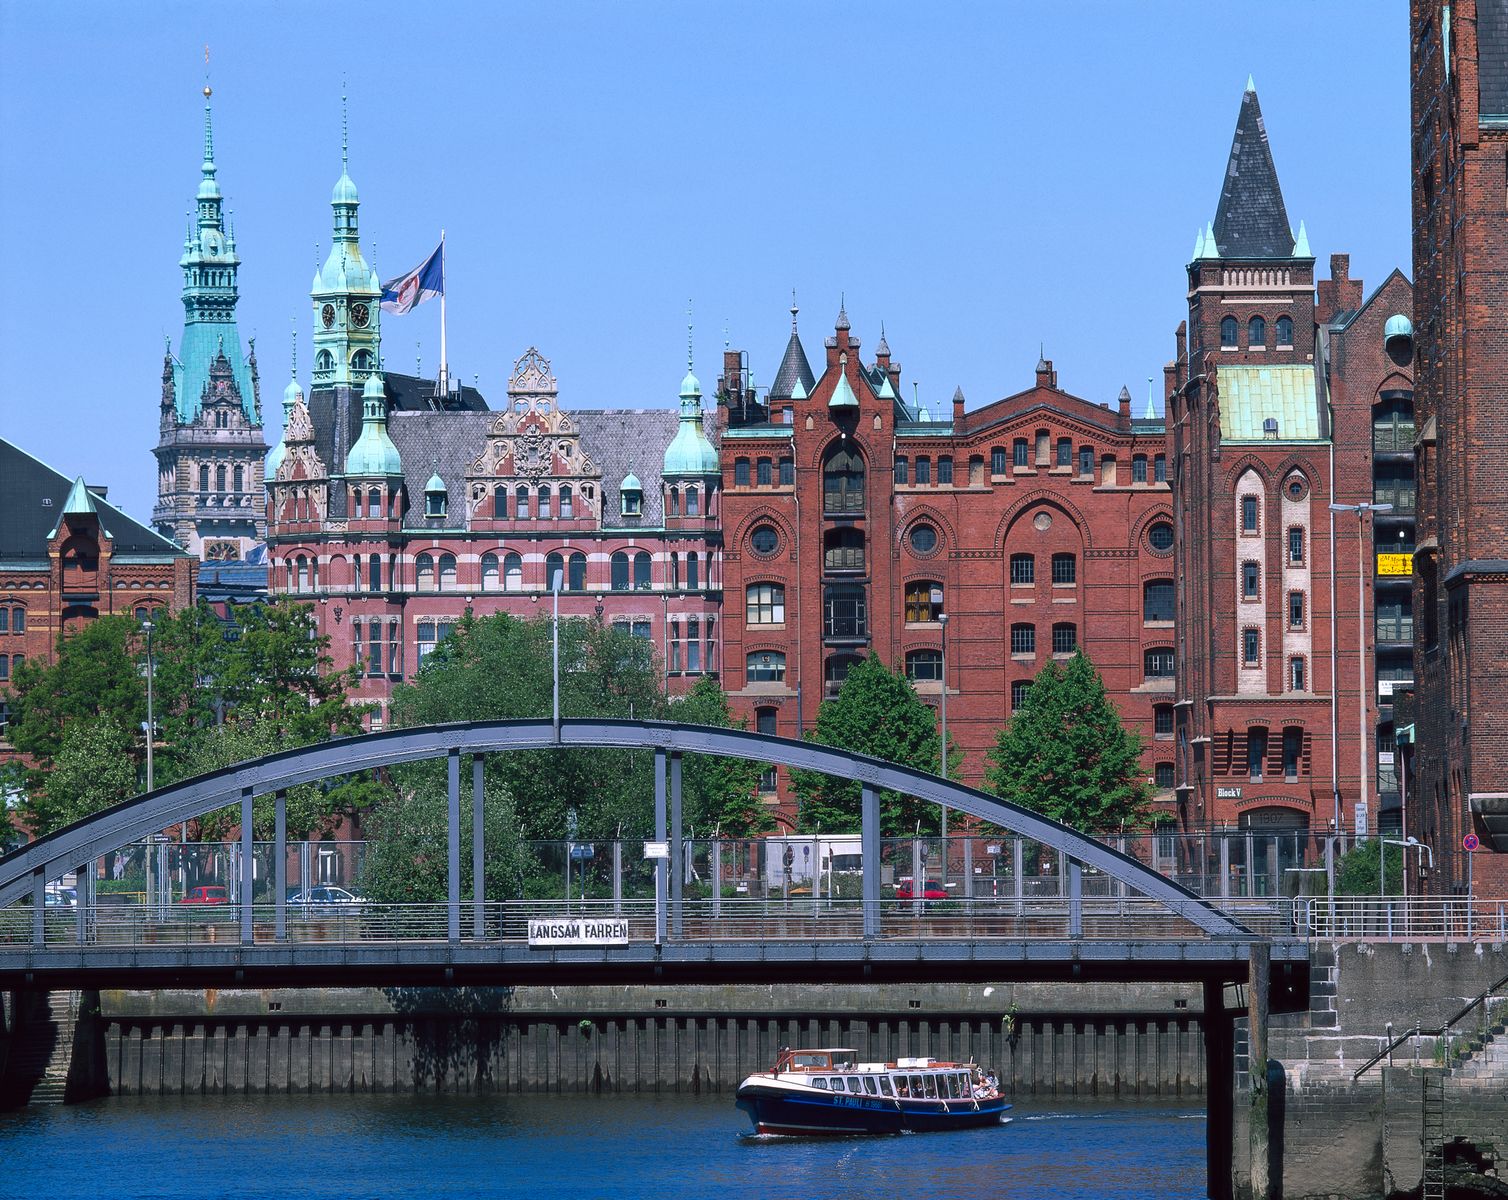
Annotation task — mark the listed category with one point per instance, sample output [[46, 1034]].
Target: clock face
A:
[[359, 315], [327, 315]]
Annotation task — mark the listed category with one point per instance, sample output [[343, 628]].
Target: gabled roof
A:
[[1252, 221], [34, 498]]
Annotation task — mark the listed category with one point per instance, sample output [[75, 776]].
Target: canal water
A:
[[539, 1147]]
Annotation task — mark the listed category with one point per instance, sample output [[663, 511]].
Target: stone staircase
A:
[[41, 1050], [1483, 1059]]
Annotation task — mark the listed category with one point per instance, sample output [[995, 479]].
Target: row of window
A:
[[438, 573], [1251, 526], [1256, 333], [237, 476], [1291, 746], [764, 472], [768, 666], [7, 664], [12, 620]]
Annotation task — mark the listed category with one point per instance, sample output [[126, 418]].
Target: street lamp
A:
[[942, 620], [1361, 510], [555, 652], [147, 627]]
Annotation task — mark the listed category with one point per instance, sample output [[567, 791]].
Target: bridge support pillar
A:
[[453, 846], [248, 873], [1258, 1128], [478, 853], [660, 836], [677, 850], [1075, 899], [280, 865], [38, 907], [1220, 1092], [716, 855], [869, 828]]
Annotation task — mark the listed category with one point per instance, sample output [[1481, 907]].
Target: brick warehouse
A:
[[1459, 88]]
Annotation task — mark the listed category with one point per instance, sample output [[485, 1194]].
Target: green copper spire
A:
[[346, 291], [374, 452], [209, 265], [843, 395], [79, 501]]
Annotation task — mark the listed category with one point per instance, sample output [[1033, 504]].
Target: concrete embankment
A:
[[1045, 1040]]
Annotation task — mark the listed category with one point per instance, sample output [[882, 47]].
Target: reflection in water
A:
[[664, 1148]]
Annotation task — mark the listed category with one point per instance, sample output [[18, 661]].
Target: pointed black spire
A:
[[1252, 221], [794, 369]]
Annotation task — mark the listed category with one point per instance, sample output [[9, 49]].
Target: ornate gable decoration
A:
[[532, 442], [221, 391], [300, 460]]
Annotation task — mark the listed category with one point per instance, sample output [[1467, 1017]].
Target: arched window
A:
[[219, 479], [1065, 637], [923, 665], [424, 572], [1285, 331], [1256, 332], [765, 666], [544, 502], [976, 470], [764, 472], [619, 581], [1138, 468], [673, 501], [374, 573], [576, 572], [1086, 460], [567, 502], [693, 570], [641, 571], [693, 504], [1023, 568], [521, 502], [1256, 752], [324, 361], [374, 503], [513, 572], [554, 565], [843, 549], [447, 572], [1158, 663], [361, 360], [843, 481], [1228, 332], [302, 564], [1065, 568], [490, 578], [1065, 452], [500, 502], [1023, 638]]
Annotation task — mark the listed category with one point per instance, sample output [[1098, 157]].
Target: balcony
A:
[[1400, 495], [1395, 629], [1390, 437]]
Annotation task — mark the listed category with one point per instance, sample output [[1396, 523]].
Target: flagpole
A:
[[444, 384]]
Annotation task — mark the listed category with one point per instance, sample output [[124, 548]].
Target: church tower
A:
[[347, 335], [210, 447]]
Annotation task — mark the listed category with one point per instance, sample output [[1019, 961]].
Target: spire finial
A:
[[419, 359], [690, 350], [1250, 84], [794, 310], [1151, 409], [293, 332], [727, 341], [344, 131]]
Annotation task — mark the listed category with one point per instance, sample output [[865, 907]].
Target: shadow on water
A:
[[458, 1034]]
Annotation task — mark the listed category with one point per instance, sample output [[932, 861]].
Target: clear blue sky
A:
[[981, 177]]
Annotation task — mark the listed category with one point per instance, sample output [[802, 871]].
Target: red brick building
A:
[[855, 523], [68, 557], [1459, 74]]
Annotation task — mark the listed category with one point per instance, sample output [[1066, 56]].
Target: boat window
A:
[[929, 1085], [837, 1084], [885, 1088], [949, 1087], [916, 1086], [854, 1085], [820, 1082], [869, 1085]]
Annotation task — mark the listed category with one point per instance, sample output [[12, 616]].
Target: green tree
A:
[[1067, 755], [1356, 870], [92, 770], [718, 794], [876, 712]]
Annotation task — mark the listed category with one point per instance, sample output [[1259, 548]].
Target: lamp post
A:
[[1361, 510], [555, 653], [147, 627], [942, 620]]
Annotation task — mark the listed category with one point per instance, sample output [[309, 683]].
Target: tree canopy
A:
[[876, 712], [1067, 755]]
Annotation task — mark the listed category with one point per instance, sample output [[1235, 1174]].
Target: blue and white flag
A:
[[424, 282]]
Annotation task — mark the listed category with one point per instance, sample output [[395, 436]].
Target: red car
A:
[[212, 894], [931, 890]]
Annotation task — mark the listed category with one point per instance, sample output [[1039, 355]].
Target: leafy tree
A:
[[92, 770], [718, 794], [1356, 871], [1066, 754], [877, 712]]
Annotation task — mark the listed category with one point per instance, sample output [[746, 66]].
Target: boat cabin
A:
[[838, 1070]]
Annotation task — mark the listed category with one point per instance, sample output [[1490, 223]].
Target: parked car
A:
[[931, 890], [206, 894], [324, 895], [57, 896]]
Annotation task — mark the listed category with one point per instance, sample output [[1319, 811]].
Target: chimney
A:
[[1338, 294], [1181, 340], [732, 381], [98, 490], [958, 408], [1046, 376]]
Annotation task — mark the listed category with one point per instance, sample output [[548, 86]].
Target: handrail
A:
[[1418, 1032]]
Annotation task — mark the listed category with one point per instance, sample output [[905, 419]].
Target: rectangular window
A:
[[1157, 600], [1023, 568], [356, 645], [1139, 468], [1020, 453], [1296, 674], [766, 604], [740, 472], [1065, 638], [1256, 752], [1065, 569], [763, 474], [845, 611], [1251, 645], [1019, 688], [1160, 469], [787, 472], [924, 470], [693, 646], [1086, 460], [924, 601], [945, 470], [4, 620], [1023, 639], [675, 647], [1293, 753], [1065, 452], [1295, 610], [1162, 720], [1248, 514], [374, 649], [902, 470], [1296, 545], [1249, 581], [4, 667], [642, 630], [997, 461]]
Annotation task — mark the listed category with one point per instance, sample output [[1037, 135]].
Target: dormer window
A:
[[436, 500], [1270, 428], [632, 497]]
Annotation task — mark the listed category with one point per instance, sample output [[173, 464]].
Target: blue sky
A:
[[983, 178]]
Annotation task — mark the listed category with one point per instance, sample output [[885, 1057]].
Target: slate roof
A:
[[1492, 60], [409, 393], [241, 582], [793, 367], [26, 483], [1251, 221], [621, 441]]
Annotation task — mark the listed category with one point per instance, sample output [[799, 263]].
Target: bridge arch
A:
[[30, 868]]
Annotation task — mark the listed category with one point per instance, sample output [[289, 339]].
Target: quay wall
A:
[[1087, 1040]]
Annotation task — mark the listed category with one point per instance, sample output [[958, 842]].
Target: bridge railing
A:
[[778, 919], [1403, 919]]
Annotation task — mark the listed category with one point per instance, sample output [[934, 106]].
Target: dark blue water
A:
[[381, 1147]]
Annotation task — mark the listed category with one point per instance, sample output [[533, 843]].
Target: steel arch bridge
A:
[[1170, 932]]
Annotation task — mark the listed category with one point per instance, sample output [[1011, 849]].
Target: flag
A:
[[424, 282]]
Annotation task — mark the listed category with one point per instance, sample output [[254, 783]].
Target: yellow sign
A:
[[1395, 564]]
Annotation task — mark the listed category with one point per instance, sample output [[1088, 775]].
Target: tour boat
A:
[[829, 1091]]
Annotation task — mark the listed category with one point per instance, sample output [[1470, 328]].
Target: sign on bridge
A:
[[579, 931]]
